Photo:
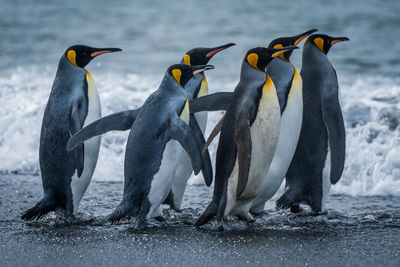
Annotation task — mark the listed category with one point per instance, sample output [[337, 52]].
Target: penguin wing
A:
[[333, 119], [244, 147], [120, 121], [214, 133], [206, 166], [213, 102], [182, 133], [77, 117]]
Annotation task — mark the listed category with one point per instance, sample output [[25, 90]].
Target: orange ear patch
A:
[[186, 60], [252, 59], [71, 55], [319, 42], [177, 75]]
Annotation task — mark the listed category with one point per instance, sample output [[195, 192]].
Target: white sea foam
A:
[[371, 109]]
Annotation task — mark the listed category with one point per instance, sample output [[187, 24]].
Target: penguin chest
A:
[[91, 146], [264, 137], [201, 117], [291, 121]]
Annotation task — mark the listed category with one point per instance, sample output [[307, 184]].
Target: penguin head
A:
[[183, 73], [324, 42], [260, 57], [81, 55], [288, 41], [201, 55]]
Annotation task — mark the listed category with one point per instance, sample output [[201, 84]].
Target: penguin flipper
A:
[[212, 102], [333, 119], [206, 166], [244, 147], [182, 133], [208, 214], [76, 120], [214, 133], [120, 121]]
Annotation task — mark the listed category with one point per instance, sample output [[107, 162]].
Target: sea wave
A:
[[370, 105]]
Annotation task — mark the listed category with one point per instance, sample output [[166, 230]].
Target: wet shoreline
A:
[[353, 233]]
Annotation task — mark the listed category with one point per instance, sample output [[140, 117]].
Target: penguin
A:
[[159, 123], [73, 103], [196, 56], [319, 158], [249, 134], [288, 85]]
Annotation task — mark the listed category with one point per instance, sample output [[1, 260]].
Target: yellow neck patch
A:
[[268, 85], [252, 59], [319, 42], [71, 55], [186, 60], [177, 75]]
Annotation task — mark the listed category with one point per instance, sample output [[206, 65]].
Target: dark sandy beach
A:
[[367, 234]]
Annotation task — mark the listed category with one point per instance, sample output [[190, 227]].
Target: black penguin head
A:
[[288, 41], [324, 42], [183, 73], [201, 55], [81, 55], [260, 57]]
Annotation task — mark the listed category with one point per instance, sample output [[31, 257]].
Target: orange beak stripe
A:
[[95, 54], [335, 42], [212, 53]]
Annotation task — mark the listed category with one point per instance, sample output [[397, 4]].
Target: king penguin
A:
[[73, 103], [320, 154], [196, 56], [249, 135], [155, 127], [288, 86]]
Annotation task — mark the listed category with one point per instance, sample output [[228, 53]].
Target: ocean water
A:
[[156, 34]]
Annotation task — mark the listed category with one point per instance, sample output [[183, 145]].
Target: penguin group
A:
[[278, 124]]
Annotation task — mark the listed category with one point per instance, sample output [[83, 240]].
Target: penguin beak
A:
[[201, 68], [280, 51], [100, 51], [301, 36], [217, 49], [336, 40]]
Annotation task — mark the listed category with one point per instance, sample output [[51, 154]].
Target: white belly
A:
[[264, 135], [326, 180], [288, 137], [162, 181], [92, 147], [185, 168]]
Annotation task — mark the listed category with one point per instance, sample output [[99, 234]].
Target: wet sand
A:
[[362, 231]]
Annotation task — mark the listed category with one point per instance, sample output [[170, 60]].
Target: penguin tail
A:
[[123, 210], [170, 201], [44, 206], [208, 214], [286, 200]]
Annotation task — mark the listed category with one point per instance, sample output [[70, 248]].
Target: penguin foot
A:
[[247, 218], [71, 219], [220, 224], [257, 214], [159, 218], [296, 208]]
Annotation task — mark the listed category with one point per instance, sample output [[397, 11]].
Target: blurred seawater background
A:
[[155, 34]]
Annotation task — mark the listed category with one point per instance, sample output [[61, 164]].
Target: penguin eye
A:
[[84, 53]]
